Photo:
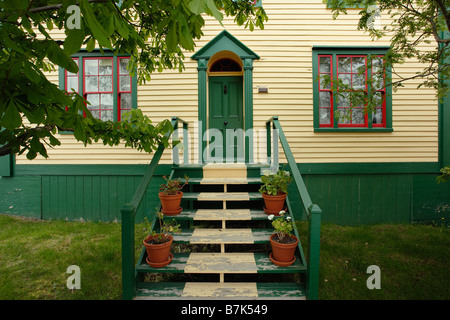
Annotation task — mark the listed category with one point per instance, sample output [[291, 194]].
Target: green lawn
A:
[[414, 260]]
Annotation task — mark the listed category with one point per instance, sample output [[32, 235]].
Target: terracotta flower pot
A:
[[283, 252], [171, 203], [158, 253], [274, 204]]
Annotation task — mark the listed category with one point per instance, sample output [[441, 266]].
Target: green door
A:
[[226, 123]]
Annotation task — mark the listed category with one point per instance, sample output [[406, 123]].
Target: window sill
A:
[[353, 129]]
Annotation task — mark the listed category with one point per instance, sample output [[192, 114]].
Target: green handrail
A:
[[128, 212], [313, 211]]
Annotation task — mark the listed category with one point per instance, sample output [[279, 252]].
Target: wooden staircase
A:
[[223, 249]]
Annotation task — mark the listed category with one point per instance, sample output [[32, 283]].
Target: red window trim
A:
[[85, 93], [66, 76], [383, 95], [119, 92], [331, 124], [334, 64], [366, 119]]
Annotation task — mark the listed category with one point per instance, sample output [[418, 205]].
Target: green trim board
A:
[[7, 165], [444, 121], [349, 194], [333, 52]]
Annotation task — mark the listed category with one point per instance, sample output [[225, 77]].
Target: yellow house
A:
[[246, 102], [389, 158]]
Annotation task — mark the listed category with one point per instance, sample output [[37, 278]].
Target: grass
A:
[[34, 257]]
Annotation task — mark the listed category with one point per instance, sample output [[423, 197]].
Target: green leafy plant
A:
[[445, 176], [282, 224], [172, 185], [274, 184], [166, 228]]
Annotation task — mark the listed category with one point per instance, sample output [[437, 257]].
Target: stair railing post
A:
[[269, 141], [128, 254], [185, 143], [315, 217], [175, 150]]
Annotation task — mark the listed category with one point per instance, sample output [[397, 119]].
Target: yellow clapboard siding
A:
[[285, 67]]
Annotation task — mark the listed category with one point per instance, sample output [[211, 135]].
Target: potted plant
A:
[[282, 241], [158, 244], [170, 195], [274, 190]]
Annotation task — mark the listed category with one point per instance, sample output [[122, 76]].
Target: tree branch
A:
[[59, 6]]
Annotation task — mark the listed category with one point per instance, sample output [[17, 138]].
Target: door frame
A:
[[221, 44]]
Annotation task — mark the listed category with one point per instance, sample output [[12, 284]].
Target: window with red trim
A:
[[335, 108], [106, 84]]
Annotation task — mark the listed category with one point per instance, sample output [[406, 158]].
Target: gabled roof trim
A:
[[201, 54]]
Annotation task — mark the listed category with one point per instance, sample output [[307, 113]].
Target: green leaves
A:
[[153, 32], [74, 41], [274, 184], [96, 28], [11, 118]]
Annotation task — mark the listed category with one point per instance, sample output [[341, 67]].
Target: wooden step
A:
[[222, 215], [218, 291], [221, 263], [221, 196], [223, 236], [221, 170], [225, 180]]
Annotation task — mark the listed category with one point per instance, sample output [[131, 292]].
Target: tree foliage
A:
[[414, 23], [154, 32]]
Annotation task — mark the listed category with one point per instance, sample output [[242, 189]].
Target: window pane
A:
[[345, 78], [325, 65], [325, 81], [124, 83], [344, 116], [72, 84], [107, 115], [344, 64], [324, 117], [377, 116], [358, 116], [105, 84], [377, 64], [125, 101], [324, 99], [107, 101], [105, 66], [94, 100], [378, 81], [90, 67], [91, 84], [343, 100], [357, 64], [359, 81], [123, 66]]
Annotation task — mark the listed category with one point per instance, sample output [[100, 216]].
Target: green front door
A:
[[226, 123]]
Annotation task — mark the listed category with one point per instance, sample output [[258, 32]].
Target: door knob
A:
[[225, 122]]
